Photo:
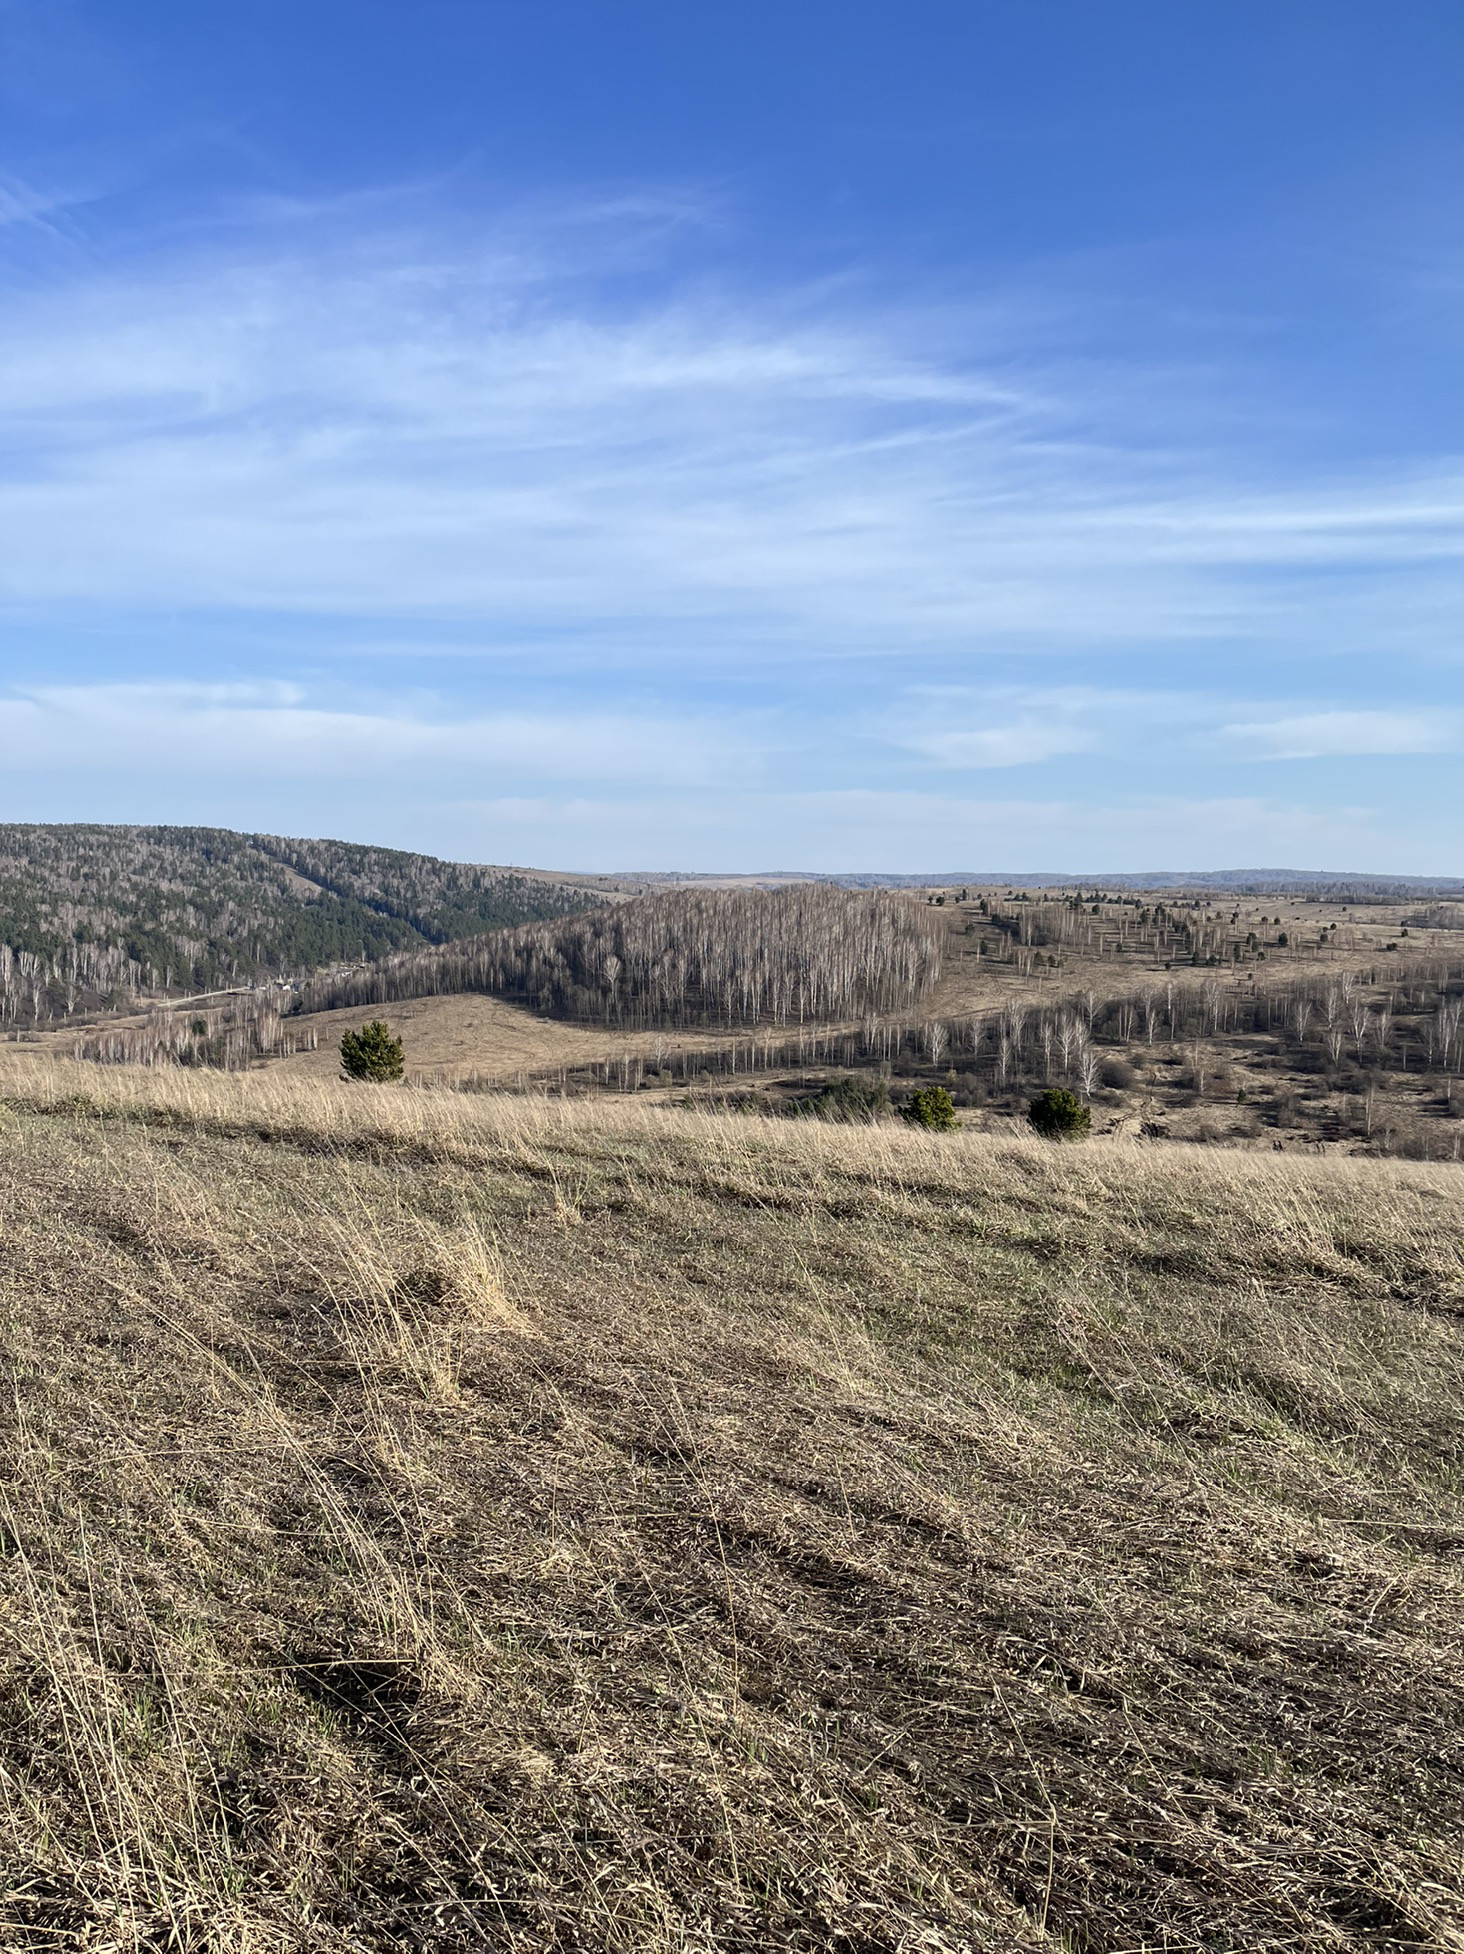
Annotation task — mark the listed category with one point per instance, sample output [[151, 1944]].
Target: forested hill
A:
[[92, 915]]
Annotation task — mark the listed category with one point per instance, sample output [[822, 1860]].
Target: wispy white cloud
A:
[[975, 727], [339, 427], [829, 830], [1013, 743], [23, 204], [401, 426], [1340, 734], [607, 790], [1110, 831], [972, 727], [273, 731]]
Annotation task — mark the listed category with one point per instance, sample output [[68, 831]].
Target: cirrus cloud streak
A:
[[403, 426]]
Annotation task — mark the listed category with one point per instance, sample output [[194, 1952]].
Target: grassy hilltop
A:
[[441, 1522]]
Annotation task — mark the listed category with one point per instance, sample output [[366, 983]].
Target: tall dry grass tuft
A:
[[441, 1522]]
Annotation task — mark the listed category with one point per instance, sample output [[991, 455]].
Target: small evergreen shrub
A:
[[930, 1106], [845, 1097], [372, 1054], [1058, 1114]]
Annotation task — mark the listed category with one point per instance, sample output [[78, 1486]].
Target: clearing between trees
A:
[[451, 1522]]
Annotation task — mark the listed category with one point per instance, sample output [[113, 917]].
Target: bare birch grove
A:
[[691, 957]]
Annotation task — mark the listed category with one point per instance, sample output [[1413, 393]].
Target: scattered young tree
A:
[[1058, 1114], [1088, 1067], [930, 1106], [372, 1054]]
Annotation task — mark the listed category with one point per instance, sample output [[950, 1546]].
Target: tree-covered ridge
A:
[[95, 915], [441, 901]]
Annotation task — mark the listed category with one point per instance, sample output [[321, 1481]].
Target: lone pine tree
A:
[[372, 1054], [930, 1106], [1059, 1115]]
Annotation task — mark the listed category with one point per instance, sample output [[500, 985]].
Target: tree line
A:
[[1416, 1024], [691, 957], [1034, 932]]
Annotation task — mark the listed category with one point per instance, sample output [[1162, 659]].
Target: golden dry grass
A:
[[465, 1039], [485, 1040], [471, 1523]]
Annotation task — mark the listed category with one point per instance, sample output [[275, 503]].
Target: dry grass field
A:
[[478, 1040], [442, 1522]]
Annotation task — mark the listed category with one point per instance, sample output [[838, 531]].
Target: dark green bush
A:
[[845, 1097], [930, 1106], [372, 1053], [1058, 1114]]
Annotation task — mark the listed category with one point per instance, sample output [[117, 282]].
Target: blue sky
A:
[[985, 437]]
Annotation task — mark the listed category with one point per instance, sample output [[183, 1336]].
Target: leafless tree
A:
[[1358, 1015], [695, 956], [1069, 1038], [1382, 1025], [1198, 1065], [1014, 1016], [1087, 1060]]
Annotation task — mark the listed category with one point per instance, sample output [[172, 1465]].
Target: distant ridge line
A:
[[1255, 881]]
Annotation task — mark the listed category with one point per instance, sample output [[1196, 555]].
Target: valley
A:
[[1280, 1022]]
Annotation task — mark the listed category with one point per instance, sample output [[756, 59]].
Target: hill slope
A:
[[729, 957], [440, 1523], [88, 912]]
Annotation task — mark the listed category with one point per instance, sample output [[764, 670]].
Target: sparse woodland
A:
[[694, 957], [1324, 1055], [1044, 931], [1439, 916], [1368, 1053]]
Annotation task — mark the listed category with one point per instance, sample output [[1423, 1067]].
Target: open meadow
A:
[[459, 1521]]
